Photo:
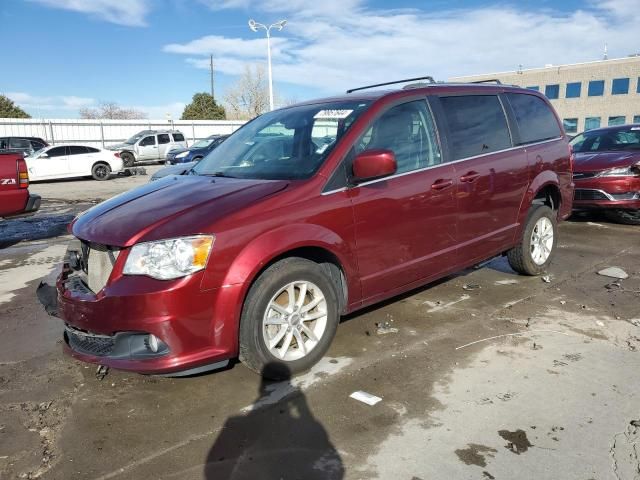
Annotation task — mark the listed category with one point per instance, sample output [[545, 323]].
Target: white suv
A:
[[149, 145]]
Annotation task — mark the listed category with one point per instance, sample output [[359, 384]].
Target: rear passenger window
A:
[[77, 150], [477, 125], [536, 121], [408, 131], [163, 138], [20, 143], [178, 137]]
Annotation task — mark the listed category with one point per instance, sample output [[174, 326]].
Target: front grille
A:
[[97, 262], [581, 175], [587, 194], [89, 343]]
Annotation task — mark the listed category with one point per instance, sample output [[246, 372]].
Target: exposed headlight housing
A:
[[183, 154], [632, 171], [169, 259]]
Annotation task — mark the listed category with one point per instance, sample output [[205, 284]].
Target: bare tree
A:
[[249, 96], [111, 111]]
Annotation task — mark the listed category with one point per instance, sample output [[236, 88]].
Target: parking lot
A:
[[488, 375]]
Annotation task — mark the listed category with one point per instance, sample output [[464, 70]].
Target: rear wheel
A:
[[628, 217], [127, 159], [533, 254], [289, 319], [101, 171]]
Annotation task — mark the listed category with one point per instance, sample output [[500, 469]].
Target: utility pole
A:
[[212, 96]]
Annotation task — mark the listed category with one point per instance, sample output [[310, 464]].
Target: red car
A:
[[310, 212], [607, 172], [15, 198]]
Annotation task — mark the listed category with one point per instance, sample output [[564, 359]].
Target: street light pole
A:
[[254, 26]]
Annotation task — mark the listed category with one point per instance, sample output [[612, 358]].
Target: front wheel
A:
[[533, 254], [127, 159], [100, 171], [289, 319], [627, 217]]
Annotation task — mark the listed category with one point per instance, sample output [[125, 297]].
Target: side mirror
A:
[[372, 164]]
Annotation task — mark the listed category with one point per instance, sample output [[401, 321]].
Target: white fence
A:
[[100, 133]]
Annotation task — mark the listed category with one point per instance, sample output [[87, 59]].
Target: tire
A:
[[627, 217], [316, 334], [532, 256], [127, 159], [101, 171]]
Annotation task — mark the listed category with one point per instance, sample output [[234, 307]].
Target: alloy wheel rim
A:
[[101, 172], [295, 320], [541, 241]]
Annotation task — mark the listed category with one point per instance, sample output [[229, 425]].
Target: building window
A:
[[620, 86], [591, 122], [552, 91], [596, 88], [618, 120], [570, 125], [537, 88], [573, 90], [636, 119]]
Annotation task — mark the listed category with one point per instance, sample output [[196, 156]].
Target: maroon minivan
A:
[[308, 213]]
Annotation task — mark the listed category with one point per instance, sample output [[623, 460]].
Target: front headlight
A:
[[169, 259], [632, 171], [183, 154]]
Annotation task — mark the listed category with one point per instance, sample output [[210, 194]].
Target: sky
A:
[[153, 55]]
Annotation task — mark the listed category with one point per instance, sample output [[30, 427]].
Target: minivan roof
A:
[[427, 88]]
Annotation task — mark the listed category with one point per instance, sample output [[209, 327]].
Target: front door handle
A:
[[441, 184], [470, 177]]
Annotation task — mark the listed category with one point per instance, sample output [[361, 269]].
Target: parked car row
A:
[[24, 145], [308, 213]]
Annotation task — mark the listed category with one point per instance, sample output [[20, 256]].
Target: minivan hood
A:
[[170, 207], [596, 161]]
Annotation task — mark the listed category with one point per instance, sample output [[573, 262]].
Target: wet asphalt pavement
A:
[[515, 378]]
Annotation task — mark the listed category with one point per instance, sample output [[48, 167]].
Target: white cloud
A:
[[131, 13], [38, 105], [336, 44]]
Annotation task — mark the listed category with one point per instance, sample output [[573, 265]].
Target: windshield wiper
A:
[[217, 174]]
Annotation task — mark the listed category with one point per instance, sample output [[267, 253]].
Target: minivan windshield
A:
[[607, 141], [286, 144]]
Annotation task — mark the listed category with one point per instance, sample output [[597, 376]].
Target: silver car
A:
[[149, 145]]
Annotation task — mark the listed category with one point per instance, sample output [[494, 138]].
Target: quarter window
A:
[[92, 150], [552, 91], [617, 120], [591, 122], [163, 138], [409, 132], [477, 125], [620, 86], [596, 88], [178, 137], [570, 125], [573, 90], [536, 122]]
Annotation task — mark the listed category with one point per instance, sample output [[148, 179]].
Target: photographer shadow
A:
[[275, 440]]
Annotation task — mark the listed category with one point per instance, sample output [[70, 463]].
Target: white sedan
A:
[[66, 161]]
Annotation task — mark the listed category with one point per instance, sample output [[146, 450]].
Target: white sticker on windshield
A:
[[322, 148], [332, 114], [635, 128]]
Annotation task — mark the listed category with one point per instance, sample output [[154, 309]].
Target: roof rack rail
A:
[[489, 80], [428, 78]]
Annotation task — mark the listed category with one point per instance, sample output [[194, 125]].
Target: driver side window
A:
[[408, 131], [148, 141]]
